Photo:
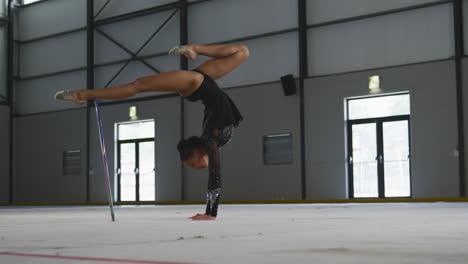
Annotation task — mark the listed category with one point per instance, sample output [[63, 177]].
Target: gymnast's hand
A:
[[202, 217]]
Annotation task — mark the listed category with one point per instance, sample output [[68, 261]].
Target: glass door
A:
[[396, 158], [363, 159], [135, 170], [146, 171], [126, 172], [136, 161], [379, 157]]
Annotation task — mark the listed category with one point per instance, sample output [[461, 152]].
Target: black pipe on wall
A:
[[458, 30]]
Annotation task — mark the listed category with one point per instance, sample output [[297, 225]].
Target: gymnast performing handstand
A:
[[220, 114]]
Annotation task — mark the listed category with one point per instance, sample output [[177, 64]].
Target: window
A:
[[381, 106], [136, 130], [27, 2]]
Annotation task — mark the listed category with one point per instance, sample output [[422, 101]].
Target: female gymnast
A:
[[220, 114]]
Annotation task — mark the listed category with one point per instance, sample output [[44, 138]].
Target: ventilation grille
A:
[[72, 163], [277, 149]]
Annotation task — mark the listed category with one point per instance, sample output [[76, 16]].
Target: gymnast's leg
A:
[[226, 59], [182, 82]]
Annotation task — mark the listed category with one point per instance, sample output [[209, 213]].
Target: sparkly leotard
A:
[[220, 116]]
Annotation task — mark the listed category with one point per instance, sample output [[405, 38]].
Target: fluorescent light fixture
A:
[[374, 82], [132, 112]]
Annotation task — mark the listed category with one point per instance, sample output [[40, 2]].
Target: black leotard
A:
[[220, 116]]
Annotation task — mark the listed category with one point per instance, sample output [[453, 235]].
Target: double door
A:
[[136, 170], [379, 157]]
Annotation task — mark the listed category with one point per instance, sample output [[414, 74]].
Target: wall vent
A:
[[277, 149], [71, 163]]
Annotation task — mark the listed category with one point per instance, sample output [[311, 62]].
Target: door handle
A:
[[136, 171], [379, 158]]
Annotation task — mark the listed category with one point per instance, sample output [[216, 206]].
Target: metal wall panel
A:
[[319, 11], [244, 176], [270, 58], [3, 9], [52, 55], [433, 129], [125, 33], [165, 63], [465, 106], [222, 20], [166, 114], [133, 71], [3, 61], [4, 154], [39, 144], [465, 24], [36, 95], [407, 37], [51, 17], [106, 51], [119, 7]]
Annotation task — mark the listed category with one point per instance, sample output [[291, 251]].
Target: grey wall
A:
[[270, 57], [433, 124], [166, 113], [39, 143], [3, 9], [115, 8], [3, 66], [336, 52], [41, 139], [39, 53], [407, 37], [125, 34], [3, 53], [4, 154], [319, 11], [53, 55], [50, 17], [278, 15], [465, 108], [285, 60], [36, 95], [266, 111], [465, 21]]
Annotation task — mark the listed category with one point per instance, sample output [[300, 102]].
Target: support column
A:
[[90, 84], [303, 71], [183, 66], [458, 30], [10, 101]]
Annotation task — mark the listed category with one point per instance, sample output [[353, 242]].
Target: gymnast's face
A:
[[198, 160]]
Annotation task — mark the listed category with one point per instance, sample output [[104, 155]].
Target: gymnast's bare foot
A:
[[198, 217]]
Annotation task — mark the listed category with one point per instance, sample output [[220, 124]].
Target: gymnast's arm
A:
[[214, 178]]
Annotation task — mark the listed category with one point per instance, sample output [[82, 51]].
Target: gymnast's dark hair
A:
[[186, 146]]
